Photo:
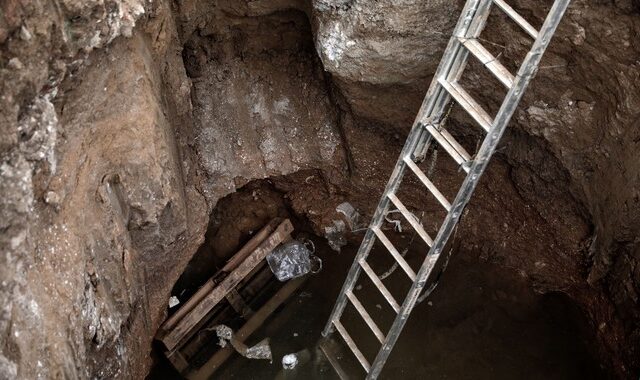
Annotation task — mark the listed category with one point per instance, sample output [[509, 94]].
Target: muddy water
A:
[[481, 322]]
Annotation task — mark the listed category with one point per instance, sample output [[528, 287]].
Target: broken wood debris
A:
[[199, 311], [245, 331], [231, 265], [200, 344], [240, 282]]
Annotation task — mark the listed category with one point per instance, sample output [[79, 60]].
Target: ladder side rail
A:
[[453, 64], [435, 93], [461, 59], [447, 61], [416, 133], [369, 238], [480, 21], [525, 74]]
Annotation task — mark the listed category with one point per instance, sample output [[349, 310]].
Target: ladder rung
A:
[[454, 143], [432, 188], [461, 157], [488, 60], [515, 16], [467, 102], [383, 289], [394, 252], [352, 345], [365, 315], [409, 217]]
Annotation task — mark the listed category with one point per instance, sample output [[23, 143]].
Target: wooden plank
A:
[[201, 335], [332, 352], [251, 288], [177, 360], [211, 284], [238, 304], [247, 329], [248, 288], [196, 335], [251, 245], [186, 324]]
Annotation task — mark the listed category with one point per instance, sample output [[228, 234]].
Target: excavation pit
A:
[[134, 134], [478, 312]]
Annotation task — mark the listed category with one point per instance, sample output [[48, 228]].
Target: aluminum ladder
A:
[[427, 129]]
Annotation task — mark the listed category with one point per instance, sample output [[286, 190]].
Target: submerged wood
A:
[[211, 283], [199, 311]]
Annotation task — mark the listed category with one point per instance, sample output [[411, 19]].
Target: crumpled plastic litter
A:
[[261, 350], [351, 214], [397, 224], [335, 235], [293, 259], [289, 361]]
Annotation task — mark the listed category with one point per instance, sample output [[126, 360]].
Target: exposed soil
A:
[[128, 126], [486, 317]]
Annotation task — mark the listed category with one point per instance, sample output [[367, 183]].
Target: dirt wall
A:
[[124, 122]]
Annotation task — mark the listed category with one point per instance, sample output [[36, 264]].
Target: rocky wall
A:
[[124, 122]]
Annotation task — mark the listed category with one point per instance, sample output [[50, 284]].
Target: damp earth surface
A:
[[139, 138]]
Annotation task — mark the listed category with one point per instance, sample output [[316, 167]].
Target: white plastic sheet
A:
[[293, 259]]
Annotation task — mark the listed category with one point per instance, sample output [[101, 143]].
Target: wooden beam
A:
[[248, 288], [177, 360], [247, 329], [211, 283], [237, 303], [182, 328], [251, 245]]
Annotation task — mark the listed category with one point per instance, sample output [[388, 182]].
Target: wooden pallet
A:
[[189, 333]]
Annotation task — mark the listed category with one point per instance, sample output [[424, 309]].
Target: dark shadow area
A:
[[481, 322]]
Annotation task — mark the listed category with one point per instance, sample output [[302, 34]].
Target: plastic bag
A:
[[335, 235], [351, 214], [261, 350], [293, 259], [289, 361]]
